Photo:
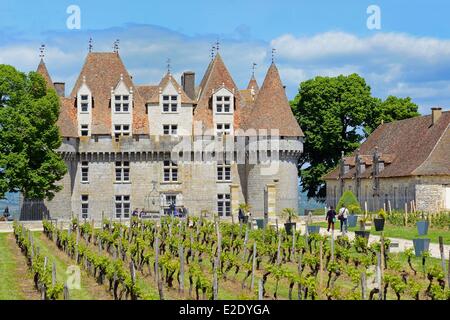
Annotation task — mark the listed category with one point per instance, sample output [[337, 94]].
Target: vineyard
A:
[[199, 259]]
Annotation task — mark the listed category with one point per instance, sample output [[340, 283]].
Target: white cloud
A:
[[391, 63]]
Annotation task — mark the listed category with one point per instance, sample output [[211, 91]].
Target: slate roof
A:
[[410, 147]]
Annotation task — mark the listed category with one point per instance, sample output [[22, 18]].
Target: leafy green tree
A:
[[391, 109], [336, 114], [29, 135], [330, 111]]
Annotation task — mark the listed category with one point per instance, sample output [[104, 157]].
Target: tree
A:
[[391, 109], [330, 111], [336, 114], [29, 135]]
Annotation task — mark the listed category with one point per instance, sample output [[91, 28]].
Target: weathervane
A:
[[168, 65], [217, 45], [116, 46], [273, 54], [90, 45], [42, 51], [253, 68], [212, 52]]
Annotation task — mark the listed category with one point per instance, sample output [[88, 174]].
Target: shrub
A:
[[350, 201]]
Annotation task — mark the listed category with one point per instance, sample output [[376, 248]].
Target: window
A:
[[84, 206], [122, 103], [223, 104], [84, 103], [171, 129], [121, 130], [170, 103], [84, 130], [122, 171], [170, 171], [223, 128], [123, 206], [224, 205], [85, 171], [223, 172]]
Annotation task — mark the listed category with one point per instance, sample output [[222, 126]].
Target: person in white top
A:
[[343, 214]]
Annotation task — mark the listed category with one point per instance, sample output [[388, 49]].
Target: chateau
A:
[[205, 148], [403, 164]]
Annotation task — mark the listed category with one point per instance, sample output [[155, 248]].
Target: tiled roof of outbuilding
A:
[[410, 147]]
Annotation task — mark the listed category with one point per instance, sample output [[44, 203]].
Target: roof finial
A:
[[273, 54], [217, 44], [42, 51], [212, 52], [253, 69], [90, 44], [168, 65], [116, 46]]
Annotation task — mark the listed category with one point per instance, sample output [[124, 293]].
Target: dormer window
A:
[[121, 103], [346, 168], [170, 103], [84, 103], [223, 104]]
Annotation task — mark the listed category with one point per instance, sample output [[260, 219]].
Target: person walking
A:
[[331, 218], [241, 215], [343, 215]]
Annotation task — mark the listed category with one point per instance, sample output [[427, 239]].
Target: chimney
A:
[[435, 114], [188, 83], [60, 88]]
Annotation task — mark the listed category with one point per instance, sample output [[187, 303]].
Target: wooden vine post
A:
[[245, 244], [279, 250], [252, 283], [441, 250], [181, 275], [260, 290], [382, 253], [320, 265], [215, 279], [66, 292], [379, 280], [363, 285], [332, 244], [293, 246], [157, 276], [406, 214]]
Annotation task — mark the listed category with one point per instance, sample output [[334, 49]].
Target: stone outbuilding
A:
[[402, 163]]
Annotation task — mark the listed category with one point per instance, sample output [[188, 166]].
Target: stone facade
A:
[[146, 147]]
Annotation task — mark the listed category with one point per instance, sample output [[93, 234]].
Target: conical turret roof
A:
[[272, 109]]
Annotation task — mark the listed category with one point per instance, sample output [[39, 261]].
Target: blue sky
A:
[[408, 56]]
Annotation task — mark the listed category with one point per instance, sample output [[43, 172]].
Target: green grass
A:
[[9, 284], [61, 267], [392, 231]]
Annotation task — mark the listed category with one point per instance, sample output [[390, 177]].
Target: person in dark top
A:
[[241, 215], [331, 218]]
